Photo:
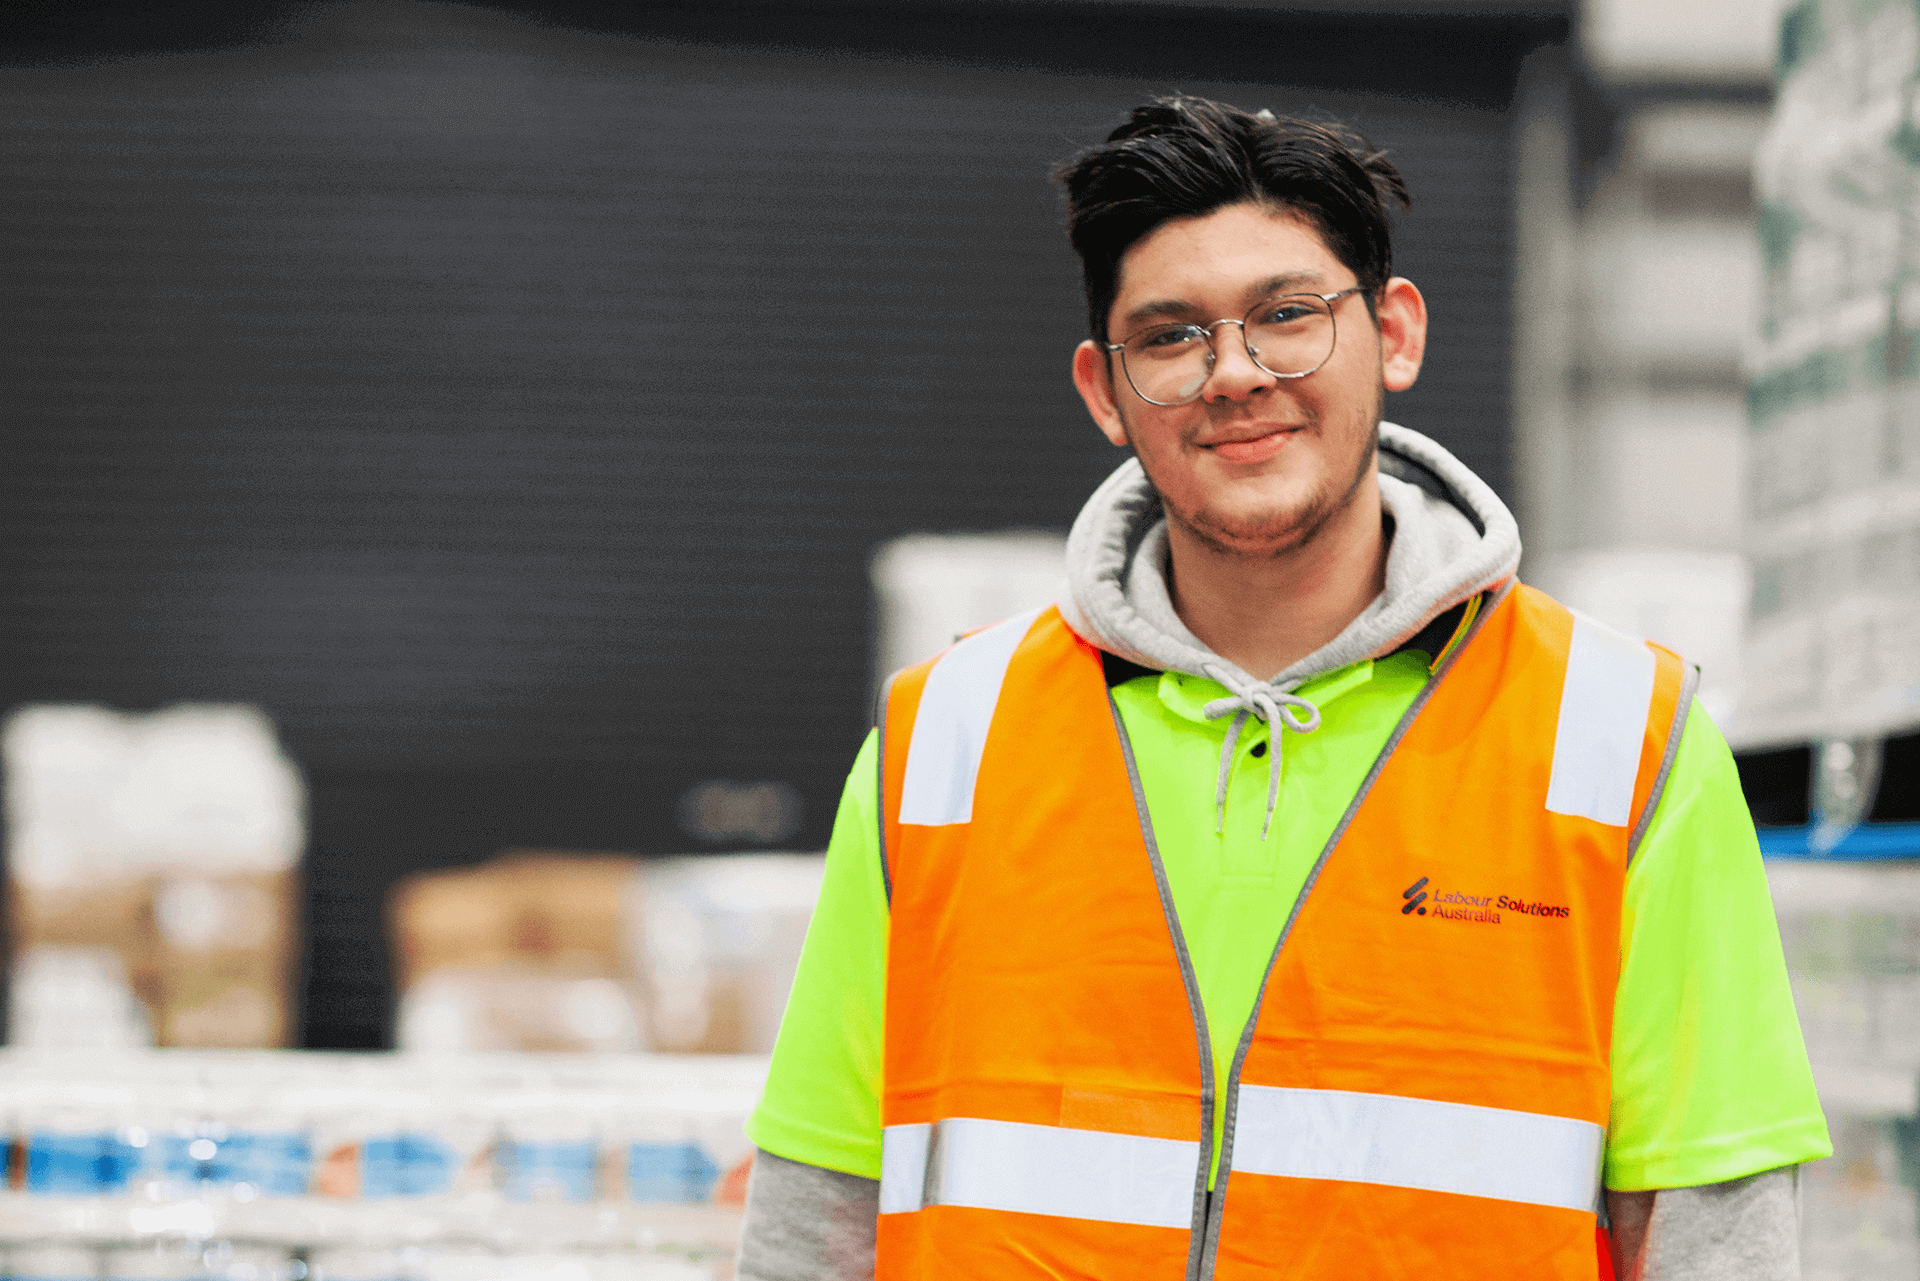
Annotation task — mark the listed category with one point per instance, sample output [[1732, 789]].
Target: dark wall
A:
[[508, 398]]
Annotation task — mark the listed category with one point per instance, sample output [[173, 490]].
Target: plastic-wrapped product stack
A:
[[278, 1166], [1852, 937], [153, 896]]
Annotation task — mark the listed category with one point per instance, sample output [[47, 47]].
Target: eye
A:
[[1285, 311], [1168, 338]]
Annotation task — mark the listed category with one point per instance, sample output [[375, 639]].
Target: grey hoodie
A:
[[1452, 538]]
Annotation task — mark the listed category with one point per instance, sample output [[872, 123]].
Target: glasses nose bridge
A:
[[1213, 340]]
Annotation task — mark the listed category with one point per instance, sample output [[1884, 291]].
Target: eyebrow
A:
[[1179, 309]]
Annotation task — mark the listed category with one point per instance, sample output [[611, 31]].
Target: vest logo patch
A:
[[1455, 905]]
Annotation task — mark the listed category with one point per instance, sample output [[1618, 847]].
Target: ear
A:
[[1403, 333], [1093, 378]]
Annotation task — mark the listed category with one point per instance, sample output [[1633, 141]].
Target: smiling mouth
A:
[[1253, 449]]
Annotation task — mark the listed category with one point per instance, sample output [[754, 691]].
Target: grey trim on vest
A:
[[1300, 901], [1689, 680], [805, 1223], [880, 783], [1191, 982]]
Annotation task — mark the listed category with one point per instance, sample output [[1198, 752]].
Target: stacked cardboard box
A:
[[523, 953], [545, 951], [210, 958], [558, 910]]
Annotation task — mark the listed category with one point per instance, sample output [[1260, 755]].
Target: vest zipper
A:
[[1201, 1265]]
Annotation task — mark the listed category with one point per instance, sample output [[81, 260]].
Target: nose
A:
[[1234, 375]]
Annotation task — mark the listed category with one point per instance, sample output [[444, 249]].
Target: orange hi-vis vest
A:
[[1423, 1088]]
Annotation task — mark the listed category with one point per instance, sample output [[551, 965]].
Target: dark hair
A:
[[1181, 157]]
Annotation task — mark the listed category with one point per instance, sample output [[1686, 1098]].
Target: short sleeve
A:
[[822, 1101], [1710, 1074]]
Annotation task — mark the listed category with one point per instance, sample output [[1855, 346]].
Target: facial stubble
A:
[[1284, 531]]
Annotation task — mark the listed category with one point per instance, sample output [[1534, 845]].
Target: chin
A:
[[1266, 532]]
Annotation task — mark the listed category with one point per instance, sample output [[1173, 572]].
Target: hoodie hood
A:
[[1452, 538]]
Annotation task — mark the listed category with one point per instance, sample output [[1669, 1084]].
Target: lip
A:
[[1245, 450]]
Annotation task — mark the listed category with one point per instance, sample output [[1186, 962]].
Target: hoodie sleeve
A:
[[807, 1224], [1740, 1230]]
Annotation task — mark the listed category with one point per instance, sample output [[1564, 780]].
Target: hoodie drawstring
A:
[[1277, 707]]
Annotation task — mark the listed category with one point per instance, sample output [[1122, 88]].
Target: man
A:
[[1302, 896]]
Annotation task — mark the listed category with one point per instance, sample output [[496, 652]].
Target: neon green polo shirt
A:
[[1710, 1075]]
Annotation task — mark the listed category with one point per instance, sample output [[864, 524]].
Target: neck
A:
[[1266, 612]]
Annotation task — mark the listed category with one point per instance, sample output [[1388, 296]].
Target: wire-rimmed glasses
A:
[[1287, 335]]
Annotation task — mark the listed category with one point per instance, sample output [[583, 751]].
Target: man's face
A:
[[1258, 464]]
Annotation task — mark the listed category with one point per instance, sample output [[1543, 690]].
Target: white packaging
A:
[[472, 1265], [94, 795], [52, 1263], [74, 998], [502, 1007], [549, 1149], [229, 1262], [717, 939], [379, 1263], [165, 1260]]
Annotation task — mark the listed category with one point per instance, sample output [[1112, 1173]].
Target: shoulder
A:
[[1702, 799]]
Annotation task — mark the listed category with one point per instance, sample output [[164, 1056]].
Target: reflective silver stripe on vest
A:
[[1603, 719], [903, 1166], [1418, 1143], [950, 729], [1038, 1169]]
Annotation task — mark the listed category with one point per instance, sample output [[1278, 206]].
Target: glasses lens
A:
[[1291, 334], [1170, 364]]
